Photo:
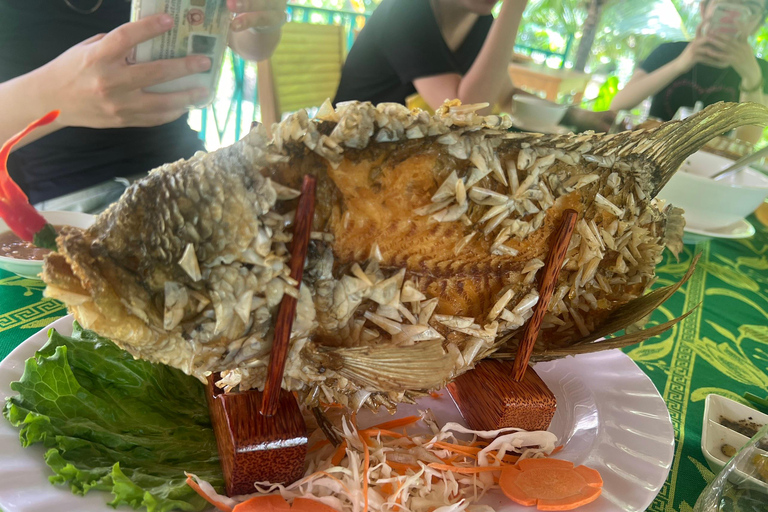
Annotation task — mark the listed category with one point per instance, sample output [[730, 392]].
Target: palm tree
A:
[[594, 13], [612, 28]]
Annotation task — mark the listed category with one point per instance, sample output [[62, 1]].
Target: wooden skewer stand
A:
[[261, 436], [500, 394]]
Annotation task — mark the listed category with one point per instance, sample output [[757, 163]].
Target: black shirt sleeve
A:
[[663, 54], [412, 42]]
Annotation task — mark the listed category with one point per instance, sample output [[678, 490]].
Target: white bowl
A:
[[714, 436], [534, 111], [31, 268], [711, 204]]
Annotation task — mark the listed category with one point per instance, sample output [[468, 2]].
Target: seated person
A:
[[442, 49], [72, 55], [709, 69]]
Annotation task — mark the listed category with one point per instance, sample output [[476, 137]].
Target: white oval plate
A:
[[609, 417], [739, 229]]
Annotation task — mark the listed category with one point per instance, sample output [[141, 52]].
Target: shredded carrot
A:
[[435, 394], [402, 422], [366, 466], [401, 467], [469, 451], [339, 454], [468, 470], [557, 449], [318, 445], [221, 506]]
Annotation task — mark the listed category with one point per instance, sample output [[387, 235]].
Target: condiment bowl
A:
[[714, 435], [710, 204], [534, 111], [32, 268]]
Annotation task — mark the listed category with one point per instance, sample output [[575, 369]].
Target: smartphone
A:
[[728, 21], [201, 28]]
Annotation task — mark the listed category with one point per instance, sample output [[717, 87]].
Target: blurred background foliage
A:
[[627, 31]]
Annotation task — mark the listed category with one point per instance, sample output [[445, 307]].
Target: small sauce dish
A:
[[730, 423], [31, 268]]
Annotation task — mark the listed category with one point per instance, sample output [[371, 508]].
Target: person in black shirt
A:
[[71, 55], [442, 49], [709, 69]]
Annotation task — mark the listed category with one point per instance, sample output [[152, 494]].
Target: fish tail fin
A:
[[663, 149]]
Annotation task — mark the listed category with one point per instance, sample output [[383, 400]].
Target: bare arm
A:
[[266, 17], [94, 87], [25, 99], [643, 84], [485, 80], [751, 134]]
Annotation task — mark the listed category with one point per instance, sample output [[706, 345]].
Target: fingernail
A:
[[237, 25], [239, 5], [201, 64], [201, 95], [166, 21]]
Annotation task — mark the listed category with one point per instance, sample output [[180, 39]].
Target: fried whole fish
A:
[[428, 235]]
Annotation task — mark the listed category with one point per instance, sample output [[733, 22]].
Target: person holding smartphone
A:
[[72, 55], [718, 65], [442, 49]]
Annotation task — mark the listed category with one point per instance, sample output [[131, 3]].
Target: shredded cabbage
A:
[[400, 478]]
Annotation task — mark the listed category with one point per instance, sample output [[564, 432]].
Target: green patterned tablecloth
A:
[[721, 348]]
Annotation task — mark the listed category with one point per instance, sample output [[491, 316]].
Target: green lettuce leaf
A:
[[115, 423]]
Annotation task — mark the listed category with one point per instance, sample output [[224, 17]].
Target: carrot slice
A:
[[221, 506], [276, 503], [401, 422], [269, 503], [339, 454], [309, 505], [550, 484], [586, 495]]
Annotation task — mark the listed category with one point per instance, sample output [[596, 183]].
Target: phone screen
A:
[[728, 21]]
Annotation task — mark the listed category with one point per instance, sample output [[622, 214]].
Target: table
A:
[[721, 348], [552, 82]]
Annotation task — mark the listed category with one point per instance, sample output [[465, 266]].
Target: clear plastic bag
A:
[[742, 485], [201, 28]]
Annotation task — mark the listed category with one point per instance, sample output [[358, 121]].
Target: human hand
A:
[[94, 86], [584, 120], [738, 54], [261, 15], [699, 50]]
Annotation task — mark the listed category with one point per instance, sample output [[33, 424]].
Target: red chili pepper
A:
[[15, 209]]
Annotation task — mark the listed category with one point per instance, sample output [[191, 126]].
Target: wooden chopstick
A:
[[302, 229], [551, 270]]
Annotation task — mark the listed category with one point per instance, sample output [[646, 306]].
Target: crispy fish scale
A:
[[399, 192]]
